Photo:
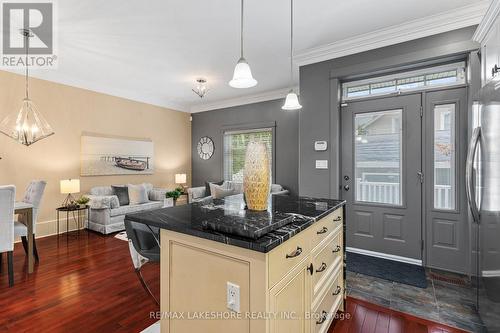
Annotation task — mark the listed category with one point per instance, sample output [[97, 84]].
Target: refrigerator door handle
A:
[[469, 173]]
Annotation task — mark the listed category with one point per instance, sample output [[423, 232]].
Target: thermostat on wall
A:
[[320, 145]]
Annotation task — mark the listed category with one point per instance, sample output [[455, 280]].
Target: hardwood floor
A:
[[84, 284], [366, 317], [87, 284]]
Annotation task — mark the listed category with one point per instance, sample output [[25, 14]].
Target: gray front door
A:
[[381, 175]]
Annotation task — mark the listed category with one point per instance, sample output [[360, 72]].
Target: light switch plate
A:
[[321, 164], [233, 297]]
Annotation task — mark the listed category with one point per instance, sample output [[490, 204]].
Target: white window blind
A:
[[235, 146]]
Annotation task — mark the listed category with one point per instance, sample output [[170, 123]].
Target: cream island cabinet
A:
[[290, 279]]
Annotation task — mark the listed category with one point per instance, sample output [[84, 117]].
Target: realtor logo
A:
[[37, 18]]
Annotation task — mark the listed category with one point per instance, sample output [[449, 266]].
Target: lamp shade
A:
[[292, 102], [242, 77], [70, 186], [180, 178]]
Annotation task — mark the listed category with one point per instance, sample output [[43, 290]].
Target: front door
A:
[[382, 175]]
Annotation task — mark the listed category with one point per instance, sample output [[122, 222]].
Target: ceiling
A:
[[152, 51]]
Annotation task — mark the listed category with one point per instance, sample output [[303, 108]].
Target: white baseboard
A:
[[385, 256], [49, 228], [495, 273]]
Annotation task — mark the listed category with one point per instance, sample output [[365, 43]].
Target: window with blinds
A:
[[235, 146]]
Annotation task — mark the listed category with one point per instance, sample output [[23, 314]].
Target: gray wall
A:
[[212, 124], [319, 118]]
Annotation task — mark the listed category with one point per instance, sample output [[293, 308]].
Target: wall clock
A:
[[206, 148]]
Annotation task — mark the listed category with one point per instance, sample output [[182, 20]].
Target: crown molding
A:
[[489, 19], [242, 100], [427, 26]]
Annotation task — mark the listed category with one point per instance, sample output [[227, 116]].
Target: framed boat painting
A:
[[107, 155]]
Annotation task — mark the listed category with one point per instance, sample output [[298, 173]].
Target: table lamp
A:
[[180, 178], [69, 186]]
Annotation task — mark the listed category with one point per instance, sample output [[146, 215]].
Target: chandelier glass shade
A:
[[27, 125]]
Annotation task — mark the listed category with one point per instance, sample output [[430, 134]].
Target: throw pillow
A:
[[218, 192], [122, 193], [137, 194], [207, 187]]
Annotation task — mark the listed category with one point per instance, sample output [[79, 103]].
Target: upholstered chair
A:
[[7, 200], [33, 195]]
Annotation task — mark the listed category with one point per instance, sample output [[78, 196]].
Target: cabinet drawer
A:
[[326, 261], [286, 256], [323, 228], [330, 304]]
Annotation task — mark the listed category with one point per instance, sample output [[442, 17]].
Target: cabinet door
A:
[[491, 51], [290, 301]]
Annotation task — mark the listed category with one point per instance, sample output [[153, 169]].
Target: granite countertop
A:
[[227, 221]]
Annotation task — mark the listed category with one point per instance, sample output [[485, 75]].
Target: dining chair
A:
[[144, 247], [7, 200], [33, 195]]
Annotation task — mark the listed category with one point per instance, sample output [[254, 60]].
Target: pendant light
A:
[[292, 100], [242, 76], [27, 125]]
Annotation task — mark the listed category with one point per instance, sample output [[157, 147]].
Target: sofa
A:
[[198, 194], [106, 214]]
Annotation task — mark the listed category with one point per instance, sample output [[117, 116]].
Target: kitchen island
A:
[[228, 269]]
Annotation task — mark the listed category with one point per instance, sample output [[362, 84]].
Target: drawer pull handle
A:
[[338, 218], [323, 318], [295, 253], [321, 268], [337, 291], [310, 268], [322, 231], [337, 249]]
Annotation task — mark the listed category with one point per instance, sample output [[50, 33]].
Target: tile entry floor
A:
[[440, 302]]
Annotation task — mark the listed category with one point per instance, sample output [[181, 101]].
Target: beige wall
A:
[[71, 111]]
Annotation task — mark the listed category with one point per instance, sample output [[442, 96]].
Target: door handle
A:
[[469, 168], [346, 187]]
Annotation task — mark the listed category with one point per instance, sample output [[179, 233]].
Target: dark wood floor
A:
[[86, 284], [366, 317], [83, 284]]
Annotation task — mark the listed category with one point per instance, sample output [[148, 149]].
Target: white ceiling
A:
[[152, 51]]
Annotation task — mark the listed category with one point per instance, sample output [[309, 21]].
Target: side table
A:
[[79, 218]]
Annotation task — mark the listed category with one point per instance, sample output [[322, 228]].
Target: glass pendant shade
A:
[[26, 126], [291, 102], [242, 77]]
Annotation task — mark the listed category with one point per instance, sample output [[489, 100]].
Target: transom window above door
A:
[[235, 147], [438, 76]]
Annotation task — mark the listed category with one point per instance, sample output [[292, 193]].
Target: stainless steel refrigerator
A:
[[483, 193]]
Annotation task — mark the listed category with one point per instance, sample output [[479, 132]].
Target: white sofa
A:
[[106, 214], [197, 194]]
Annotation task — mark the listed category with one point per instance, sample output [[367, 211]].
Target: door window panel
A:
[[444, 157], [378, 157]]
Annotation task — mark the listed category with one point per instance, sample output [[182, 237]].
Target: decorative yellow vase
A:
[[256, 176]]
